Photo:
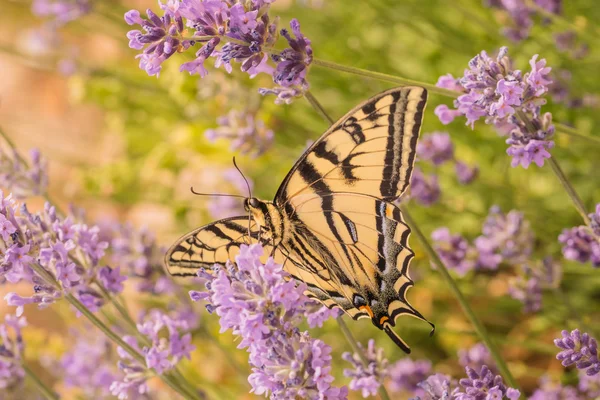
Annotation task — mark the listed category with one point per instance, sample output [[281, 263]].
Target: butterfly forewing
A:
[[371, 150]]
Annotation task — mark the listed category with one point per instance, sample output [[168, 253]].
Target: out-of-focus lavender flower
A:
[[22, 179], [161, 353], [528, 291], [505, 237], [11, 352], [484, 385], [138, 256], [247, 134], [475, 357], [549, 390], [595, 220], [579, 244], [224, 206], [367, 378], [589, 385], [257, 303], [579, 349], [508, 98], [465, 173], [285, 95], [87, 366], [532, 279], [406, 374], [67, 253], [437, 387], [321, 314], [435, 147], [521, 14], [424, 189], [61, 11], [454, 251]]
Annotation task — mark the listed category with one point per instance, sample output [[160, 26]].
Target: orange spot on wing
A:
[[367, 309], [383, 319]]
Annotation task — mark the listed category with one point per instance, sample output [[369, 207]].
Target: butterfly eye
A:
[[254, 203]]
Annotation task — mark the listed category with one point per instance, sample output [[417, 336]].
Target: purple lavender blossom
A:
[[435, 147], [139, 257], [595, 220], [52, 244], [589, 384], [484, 385], [579, 349], [367, 378], [424, 189], [437, 387], [61, 11], [161, 353], [255, 301], [23, 180], [549, 390], [475, 357], [506, 98], [293, 62], [160, 39], [406, 374], [321, 314], [454, 251], [528, 291], [579, 244], [247, 134], [87, 366], [11, 352], [505, 237], [111, 279], [520, 15]]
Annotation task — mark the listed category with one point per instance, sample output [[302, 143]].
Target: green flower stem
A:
[[37, 382], [343, 327], [384, 77], [567, 130], [477, 325], [360, 352], [579, 206]]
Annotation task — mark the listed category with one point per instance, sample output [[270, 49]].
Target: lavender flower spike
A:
[[11, 352], [367, 378], [579, 349], [484, 385]]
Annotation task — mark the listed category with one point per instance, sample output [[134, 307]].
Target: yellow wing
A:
[[212, 244], [348, 242], [371, 150]]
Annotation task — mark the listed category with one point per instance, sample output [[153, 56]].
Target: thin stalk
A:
[[317, 106], [385, 77], [568, 130], [37, 382], [360, 352], [477, 325], [579, 206]]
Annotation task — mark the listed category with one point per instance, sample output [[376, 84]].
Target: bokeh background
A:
[[126, 147]]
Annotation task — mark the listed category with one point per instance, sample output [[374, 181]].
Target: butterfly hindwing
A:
[[211, 244]]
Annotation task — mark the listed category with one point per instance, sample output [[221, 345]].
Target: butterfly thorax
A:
[[268, 218]]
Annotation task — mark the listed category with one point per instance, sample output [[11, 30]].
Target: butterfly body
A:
[[332, 223]]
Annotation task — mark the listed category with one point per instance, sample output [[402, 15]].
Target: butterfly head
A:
[[251, 203]]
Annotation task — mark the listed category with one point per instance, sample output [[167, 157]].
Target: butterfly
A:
[[333, 224]]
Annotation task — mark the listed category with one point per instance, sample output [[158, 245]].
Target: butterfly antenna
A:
[[243, 177], [215, 194]]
